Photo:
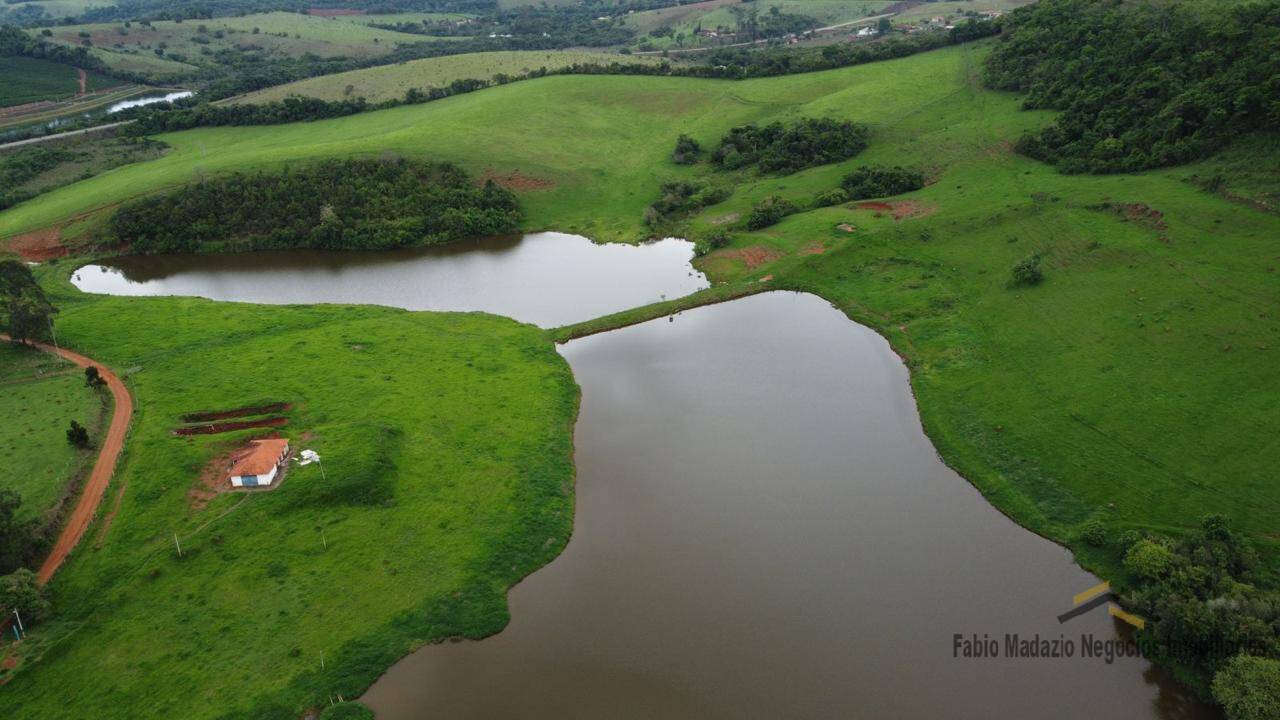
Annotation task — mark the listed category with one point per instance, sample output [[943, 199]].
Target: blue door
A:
[[250, 480]]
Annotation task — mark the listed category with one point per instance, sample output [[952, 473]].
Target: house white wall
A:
[[263, 480]]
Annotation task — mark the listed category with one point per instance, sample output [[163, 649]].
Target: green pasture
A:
[[1133, 387], [391, 82]]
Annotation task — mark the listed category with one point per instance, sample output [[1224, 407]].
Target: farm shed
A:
[[258, 465]]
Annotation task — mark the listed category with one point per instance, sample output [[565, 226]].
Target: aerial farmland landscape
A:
[[410, 359]]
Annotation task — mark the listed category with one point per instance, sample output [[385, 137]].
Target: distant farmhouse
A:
[[260, 463]]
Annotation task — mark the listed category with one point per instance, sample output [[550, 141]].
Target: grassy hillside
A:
[[133, 46], [50, 9], [41, 395], [389, 82], [24, 80], [1133, 387], [446, 443]]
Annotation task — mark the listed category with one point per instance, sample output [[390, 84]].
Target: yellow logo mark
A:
[[1100, 594]]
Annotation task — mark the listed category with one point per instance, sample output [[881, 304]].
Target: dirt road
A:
[[103, 467]]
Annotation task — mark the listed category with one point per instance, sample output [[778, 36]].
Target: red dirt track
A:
[[103, 467]]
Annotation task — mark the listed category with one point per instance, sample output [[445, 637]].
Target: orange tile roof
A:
[[261, 456]]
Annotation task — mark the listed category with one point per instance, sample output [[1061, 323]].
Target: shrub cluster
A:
[[681, 198], [874, 182], [769, 212], [778, 148], [1140, 85], [354, 204], [687, 151]]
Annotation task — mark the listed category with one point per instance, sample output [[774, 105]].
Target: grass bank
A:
[[447, 449]]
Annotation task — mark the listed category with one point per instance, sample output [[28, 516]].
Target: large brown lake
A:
[[762, 528]]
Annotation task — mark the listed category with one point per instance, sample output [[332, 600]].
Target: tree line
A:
[[337, 204], [1140, 85]]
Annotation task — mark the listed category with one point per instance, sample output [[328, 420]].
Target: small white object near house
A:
[[308, 457], [259, 465]]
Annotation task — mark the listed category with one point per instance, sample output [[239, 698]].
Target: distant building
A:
[[259, 464]]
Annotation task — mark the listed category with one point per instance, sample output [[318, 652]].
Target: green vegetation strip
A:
[[709, 296]]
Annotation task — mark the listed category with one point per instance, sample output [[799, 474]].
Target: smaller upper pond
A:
[[548, 278], [149, 100]]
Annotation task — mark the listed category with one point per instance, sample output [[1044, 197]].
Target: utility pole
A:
[[323, 540], [21, 630], [177, 544]]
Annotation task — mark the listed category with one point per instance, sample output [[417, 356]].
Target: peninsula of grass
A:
[[446, 442], [1131, 389]]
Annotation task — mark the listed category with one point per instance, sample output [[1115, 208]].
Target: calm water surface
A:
[[547, 278], [764, 531]]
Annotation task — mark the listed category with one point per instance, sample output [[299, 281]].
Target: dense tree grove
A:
[[21, 166], [1248, 688], [1202, 599], [355, 204], [25, 313], [874, 182], [17, 534], [1140, 84], [778, 148]]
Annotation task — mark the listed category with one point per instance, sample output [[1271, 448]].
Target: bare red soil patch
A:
[[205, 416], [39, 245], [846, 227], [518, 181], [900, 209], [753, 257], [222, 427], [813, 248]]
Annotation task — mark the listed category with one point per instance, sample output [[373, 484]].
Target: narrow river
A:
[[762, 528]]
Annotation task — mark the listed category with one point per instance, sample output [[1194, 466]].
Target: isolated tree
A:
[[1027, 272], [77, 435], [884, 27], [20, 590], [92, 377]]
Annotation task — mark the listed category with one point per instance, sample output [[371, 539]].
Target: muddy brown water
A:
[[764, 531], [547, 278], [762, 528]]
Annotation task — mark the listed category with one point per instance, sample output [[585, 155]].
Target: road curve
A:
[[103, 467]]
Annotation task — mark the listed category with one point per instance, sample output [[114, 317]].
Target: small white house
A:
[[260, 463]]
